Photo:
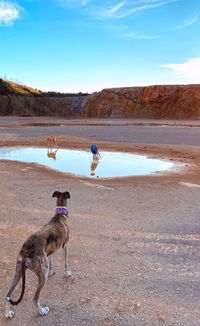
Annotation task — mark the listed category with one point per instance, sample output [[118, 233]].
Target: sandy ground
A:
[[134, 243]]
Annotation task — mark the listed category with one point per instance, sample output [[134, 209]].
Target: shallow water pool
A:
[[82, 163]]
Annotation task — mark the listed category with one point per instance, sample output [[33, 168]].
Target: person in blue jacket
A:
[[94, 150]]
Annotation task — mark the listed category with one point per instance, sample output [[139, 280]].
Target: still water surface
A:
[[82, 163]]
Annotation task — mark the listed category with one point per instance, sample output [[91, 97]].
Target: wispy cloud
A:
[[188, 22], [73, 3], [84, 2], [9, 12], [190, 69], [137, 36], [113, 8], [130, 7]]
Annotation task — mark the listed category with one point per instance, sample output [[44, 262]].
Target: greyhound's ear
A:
[[56, 194], [66, 195]]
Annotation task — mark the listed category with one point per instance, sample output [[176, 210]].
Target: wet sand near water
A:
[[134, 243]]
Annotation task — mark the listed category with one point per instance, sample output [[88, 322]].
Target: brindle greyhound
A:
[[37, 248]]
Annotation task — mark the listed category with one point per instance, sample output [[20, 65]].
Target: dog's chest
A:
[[57, 235]]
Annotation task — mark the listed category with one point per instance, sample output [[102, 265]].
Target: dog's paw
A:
[[44, 311], [69, 274], [9, 314], [51, 273]]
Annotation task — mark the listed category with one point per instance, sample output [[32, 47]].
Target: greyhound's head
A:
[[61, 197]]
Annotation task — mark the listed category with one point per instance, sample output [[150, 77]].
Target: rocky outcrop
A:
[[167, 102], [170, 102], [21, 100]]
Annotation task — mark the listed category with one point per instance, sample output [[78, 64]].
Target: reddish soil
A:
[[134, 242]]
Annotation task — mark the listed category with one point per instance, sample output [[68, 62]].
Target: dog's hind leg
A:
[[65, 259], [41, 269], [18, 273]]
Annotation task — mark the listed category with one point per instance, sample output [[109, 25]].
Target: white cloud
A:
[[9, 12], [189, 69], [188, 23]]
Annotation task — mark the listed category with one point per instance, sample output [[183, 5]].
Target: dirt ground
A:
[[134, 242]]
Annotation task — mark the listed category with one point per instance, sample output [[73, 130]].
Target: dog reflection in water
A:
[[94, 164], [51, 153]]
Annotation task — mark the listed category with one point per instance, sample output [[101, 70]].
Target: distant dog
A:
[[37, 248], [51, 142]]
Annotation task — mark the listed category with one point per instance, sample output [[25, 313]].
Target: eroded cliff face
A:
[[167, 102], [170, 102], [41, 106]]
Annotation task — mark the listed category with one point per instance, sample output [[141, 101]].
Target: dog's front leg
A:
[[51, 271], [65, 259]]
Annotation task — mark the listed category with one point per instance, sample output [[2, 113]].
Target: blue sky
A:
[[88, 45]]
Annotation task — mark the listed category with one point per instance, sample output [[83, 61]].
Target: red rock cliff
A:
[[170, 102]]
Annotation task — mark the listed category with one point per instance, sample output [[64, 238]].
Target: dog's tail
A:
[[15, 303]]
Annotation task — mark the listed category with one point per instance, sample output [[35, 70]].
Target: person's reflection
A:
[[94, 164], [51, 153]]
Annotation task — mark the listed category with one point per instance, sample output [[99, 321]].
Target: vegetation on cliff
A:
[[60, 94], [11, 88]]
